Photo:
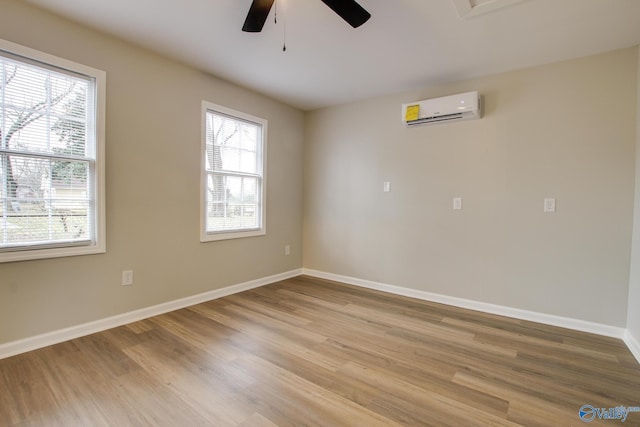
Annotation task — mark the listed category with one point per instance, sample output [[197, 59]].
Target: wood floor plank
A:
[[312, 352], [93, 393], [275, 311], [206, 399], [441, 409], [320, 404], [255, 337], [257, 420]]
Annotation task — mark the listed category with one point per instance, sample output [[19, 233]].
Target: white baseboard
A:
[[633, 344], [548, 319], [39, 341]]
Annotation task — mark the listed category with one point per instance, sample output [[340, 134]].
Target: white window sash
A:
[[93, 158], [206, 234]]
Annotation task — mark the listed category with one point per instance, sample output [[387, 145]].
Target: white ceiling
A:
[[407, 44]]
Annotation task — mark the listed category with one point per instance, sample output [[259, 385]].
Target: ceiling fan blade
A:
[[257, 15], [350, 11]]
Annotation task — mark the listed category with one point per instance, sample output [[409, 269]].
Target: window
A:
[[233, 152], [51, 156]]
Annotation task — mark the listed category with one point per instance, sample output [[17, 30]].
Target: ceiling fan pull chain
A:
[[284, 29]]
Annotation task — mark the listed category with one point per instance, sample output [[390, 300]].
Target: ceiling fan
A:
[[348, 10]]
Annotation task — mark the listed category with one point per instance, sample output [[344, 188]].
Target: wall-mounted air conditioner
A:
[[464, 106]]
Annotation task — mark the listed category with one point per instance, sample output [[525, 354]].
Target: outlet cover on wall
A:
[[127, 277]]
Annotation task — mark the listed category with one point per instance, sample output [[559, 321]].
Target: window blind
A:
[[47, 156], [234, 173]]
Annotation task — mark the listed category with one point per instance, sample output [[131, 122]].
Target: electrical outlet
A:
[[287, 250], [127, 277], [386, 186]]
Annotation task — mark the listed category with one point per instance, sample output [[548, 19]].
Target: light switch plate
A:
[[457, 203], [549, 205]]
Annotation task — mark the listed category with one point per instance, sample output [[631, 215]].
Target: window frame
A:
[[96, 174], [210, 236]]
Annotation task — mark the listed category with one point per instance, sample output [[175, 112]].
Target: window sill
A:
[[212, 237], [26, 255]]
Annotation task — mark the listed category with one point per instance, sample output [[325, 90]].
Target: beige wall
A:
[[564, 130], [633, 320], [153, 139]]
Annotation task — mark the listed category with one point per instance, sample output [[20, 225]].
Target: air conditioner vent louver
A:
[[432, 119], [464, 106]]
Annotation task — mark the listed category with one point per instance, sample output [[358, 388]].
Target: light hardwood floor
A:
[[309, 352]]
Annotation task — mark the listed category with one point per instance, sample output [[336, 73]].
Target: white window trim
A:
[[99, 245], [206, 236]]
